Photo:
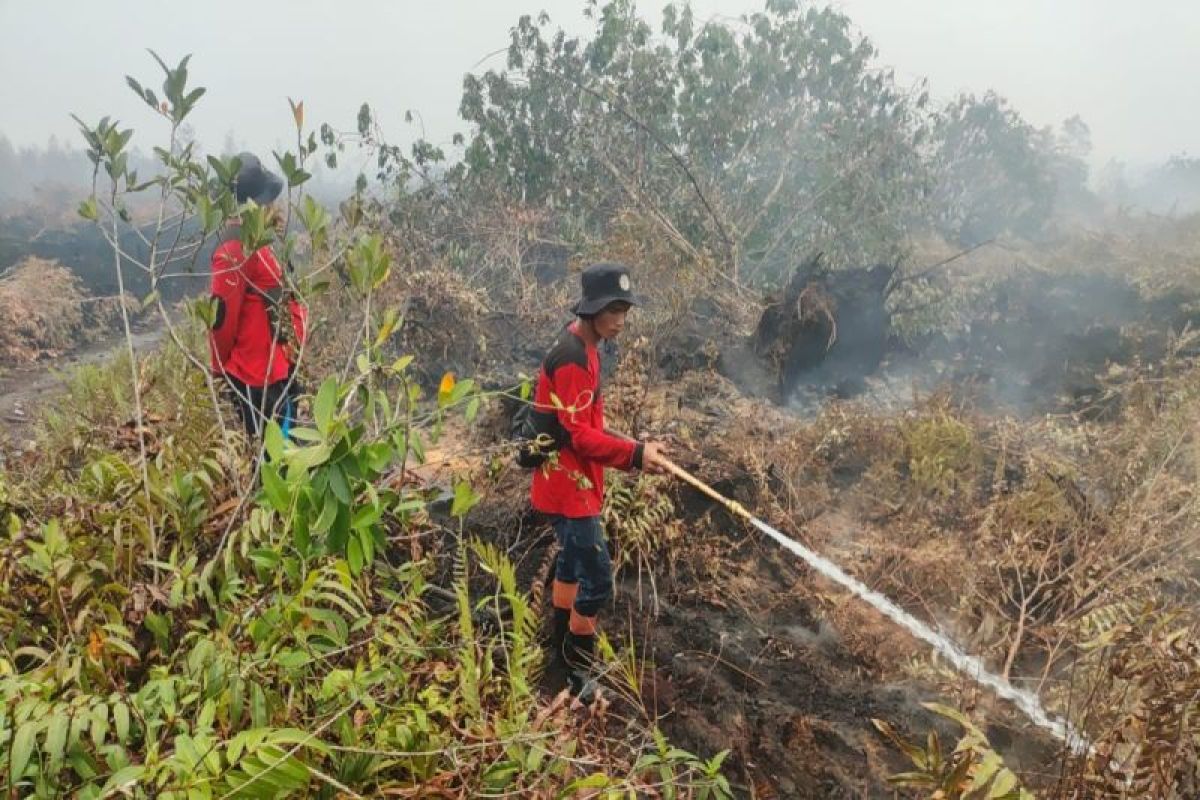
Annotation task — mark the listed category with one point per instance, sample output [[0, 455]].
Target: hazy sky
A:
[[1132, 70]]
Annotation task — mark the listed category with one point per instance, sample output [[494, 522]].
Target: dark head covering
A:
[[255, 182], [605, 283]]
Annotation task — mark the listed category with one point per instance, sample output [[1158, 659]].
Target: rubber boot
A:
[[556, 671], [579, 651], [560, 624]]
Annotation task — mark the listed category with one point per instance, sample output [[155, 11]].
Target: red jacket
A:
[[241, 341], [574, 487]]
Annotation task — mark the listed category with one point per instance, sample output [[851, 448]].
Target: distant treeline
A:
[[83, 249], [40, 191]]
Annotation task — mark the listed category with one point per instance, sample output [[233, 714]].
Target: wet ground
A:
[[24, 390]]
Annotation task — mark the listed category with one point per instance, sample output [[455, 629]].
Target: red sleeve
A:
[[228, 289], [575, 390]]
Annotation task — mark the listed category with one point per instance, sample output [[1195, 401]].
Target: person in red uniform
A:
[[569, 488], [250, 347]]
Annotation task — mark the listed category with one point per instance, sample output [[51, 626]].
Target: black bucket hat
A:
[[605, 283], [255, 182]]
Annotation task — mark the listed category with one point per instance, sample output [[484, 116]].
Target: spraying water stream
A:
[[969, 665]]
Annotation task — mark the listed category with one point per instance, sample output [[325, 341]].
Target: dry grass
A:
[[44, 312]]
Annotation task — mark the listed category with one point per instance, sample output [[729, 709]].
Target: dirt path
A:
[[25, 390]]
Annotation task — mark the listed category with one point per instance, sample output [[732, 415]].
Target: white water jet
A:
[[969, 665]]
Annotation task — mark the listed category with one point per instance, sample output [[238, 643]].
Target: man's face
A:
[[611, 321]]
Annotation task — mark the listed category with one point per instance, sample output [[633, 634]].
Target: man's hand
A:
[[654, 458]]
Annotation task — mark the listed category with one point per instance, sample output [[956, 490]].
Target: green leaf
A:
[[329, 511], [1005, 783], [273, 440], [306, 435], [120, 714], [205, 310], [237, 699], [120, 645], [956, 715], [338, 484], [301, 537], [366, 540], [210, 214], [22, 749], [258, 706], [137, 87], [366, 515], [292, 659], [89, 210], [354, 555], [99, 728], [500, 775], [158, 625], [461, 389], [225, 169], [306, 458], [597, 780], [408, 505], [390, 322], [265, 559], [57, 740], [122, 778], [324, 405], [340, 530], [465, 498], [190, 101], [314, 217], [274, 487]]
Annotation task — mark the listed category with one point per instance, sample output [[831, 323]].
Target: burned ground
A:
[[736, 645]]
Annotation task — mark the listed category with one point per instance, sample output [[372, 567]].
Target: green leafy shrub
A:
[[941, 454]]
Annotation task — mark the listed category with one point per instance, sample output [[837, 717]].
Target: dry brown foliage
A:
[[45, 311]]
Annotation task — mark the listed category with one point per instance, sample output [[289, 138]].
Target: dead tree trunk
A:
[[826, 329]]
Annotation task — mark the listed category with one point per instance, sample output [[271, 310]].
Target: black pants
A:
[[258, 404], [583, 580]]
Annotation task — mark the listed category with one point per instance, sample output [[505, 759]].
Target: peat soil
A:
[[29, 389]]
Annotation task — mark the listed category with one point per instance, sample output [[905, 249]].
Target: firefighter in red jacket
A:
[[258, 327], [570, 487]]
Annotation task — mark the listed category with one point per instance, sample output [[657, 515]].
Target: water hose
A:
[[735, 508], [969, 665]]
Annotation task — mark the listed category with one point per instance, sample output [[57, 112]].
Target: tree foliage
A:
[[758, 141], [751, 141]]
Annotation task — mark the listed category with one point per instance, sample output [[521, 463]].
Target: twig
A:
[[926, 271], [679, 160], [725, 663], [137, 403]]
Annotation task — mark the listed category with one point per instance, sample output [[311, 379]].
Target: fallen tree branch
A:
[[925, 272]]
